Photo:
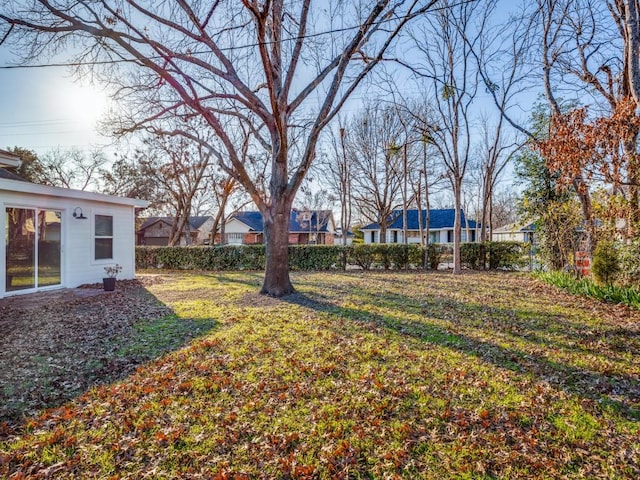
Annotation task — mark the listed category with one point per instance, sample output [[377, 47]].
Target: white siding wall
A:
[[204, 231], [236, 226], [435, 236], [78, 262], [508, 236], [367, 235]]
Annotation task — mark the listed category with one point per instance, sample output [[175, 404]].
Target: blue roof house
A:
[[440, 227], [305, 227]]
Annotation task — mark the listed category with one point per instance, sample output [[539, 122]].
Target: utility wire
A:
[[223, 49]]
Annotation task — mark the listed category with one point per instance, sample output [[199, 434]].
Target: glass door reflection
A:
[[49, 223], [20, 242], [33, 253]]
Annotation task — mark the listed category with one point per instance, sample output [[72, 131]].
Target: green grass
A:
[[153, 338], [364, 375]]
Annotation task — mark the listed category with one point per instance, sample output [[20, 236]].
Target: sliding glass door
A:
[[33, 253]]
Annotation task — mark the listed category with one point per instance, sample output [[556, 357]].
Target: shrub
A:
[[416, 255], [398, 255], [382, 255], [362, 255], [507, 255], [494, 255], [436, 255], [605, 262], [473, 255], [245, 257], [315, 257], [629, 261], [306, 257]]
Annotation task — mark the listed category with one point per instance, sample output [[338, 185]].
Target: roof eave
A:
[[34, 188], [8, 159]]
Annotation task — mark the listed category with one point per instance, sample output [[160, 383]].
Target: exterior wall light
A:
[[77, 214]]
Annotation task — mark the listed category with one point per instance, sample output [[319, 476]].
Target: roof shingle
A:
[[439, 219]]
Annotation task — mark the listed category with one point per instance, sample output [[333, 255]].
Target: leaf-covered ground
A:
[[361, 375], [56, 345]]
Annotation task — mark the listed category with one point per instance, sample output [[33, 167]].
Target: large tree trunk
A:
[[276, 232], [277, 217]]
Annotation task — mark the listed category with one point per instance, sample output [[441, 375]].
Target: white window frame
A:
[[94, 237]]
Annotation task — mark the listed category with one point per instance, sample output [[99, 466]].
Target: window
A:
[[103, 233], [235, 237]]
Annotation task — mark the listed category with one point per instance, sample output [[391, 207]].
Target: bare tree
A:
[[70, 169], [425, 175], [228, 198], [494, 154], [179, 166], [375, 155], [126, 177], [336, 170], [445, 45], [504, 209], [260, 64], [589, 53]]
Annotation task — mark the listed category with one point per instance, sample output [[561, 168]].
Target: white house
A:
[[440, 227], [515, 232], [55, 237]]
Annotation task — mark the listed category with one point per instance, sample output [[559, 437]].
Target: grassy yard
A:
[[361, 375]]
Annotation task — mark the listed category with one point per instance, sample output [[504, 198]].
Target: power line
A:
[[223, 49], [38, 123]]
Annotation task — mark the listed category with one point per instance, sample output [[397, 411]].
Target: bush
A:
[[436, 254], [362, 255], [473, 255], [311, 257], [315, 257], [397, 255], [605, 262], [494, 255], [245, 257], [629, 261], [507, 255], [416, 255]]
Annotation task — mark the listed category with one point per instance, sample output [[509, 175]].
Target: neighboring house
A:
[[515, 232], [8, 159], [154, 231], [306, 227], [55, 237], [337, 237], [440, 227]]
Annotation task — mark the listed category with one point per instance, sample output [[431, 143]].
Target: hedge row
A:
[[328, 257], [495, 255]]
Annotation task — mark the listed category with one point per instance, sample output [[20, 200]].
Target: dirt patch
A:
[[56, 345]]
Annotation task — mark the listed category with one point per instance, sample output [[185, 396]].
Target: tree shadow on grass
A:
[[58, 345], [444, 327]]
